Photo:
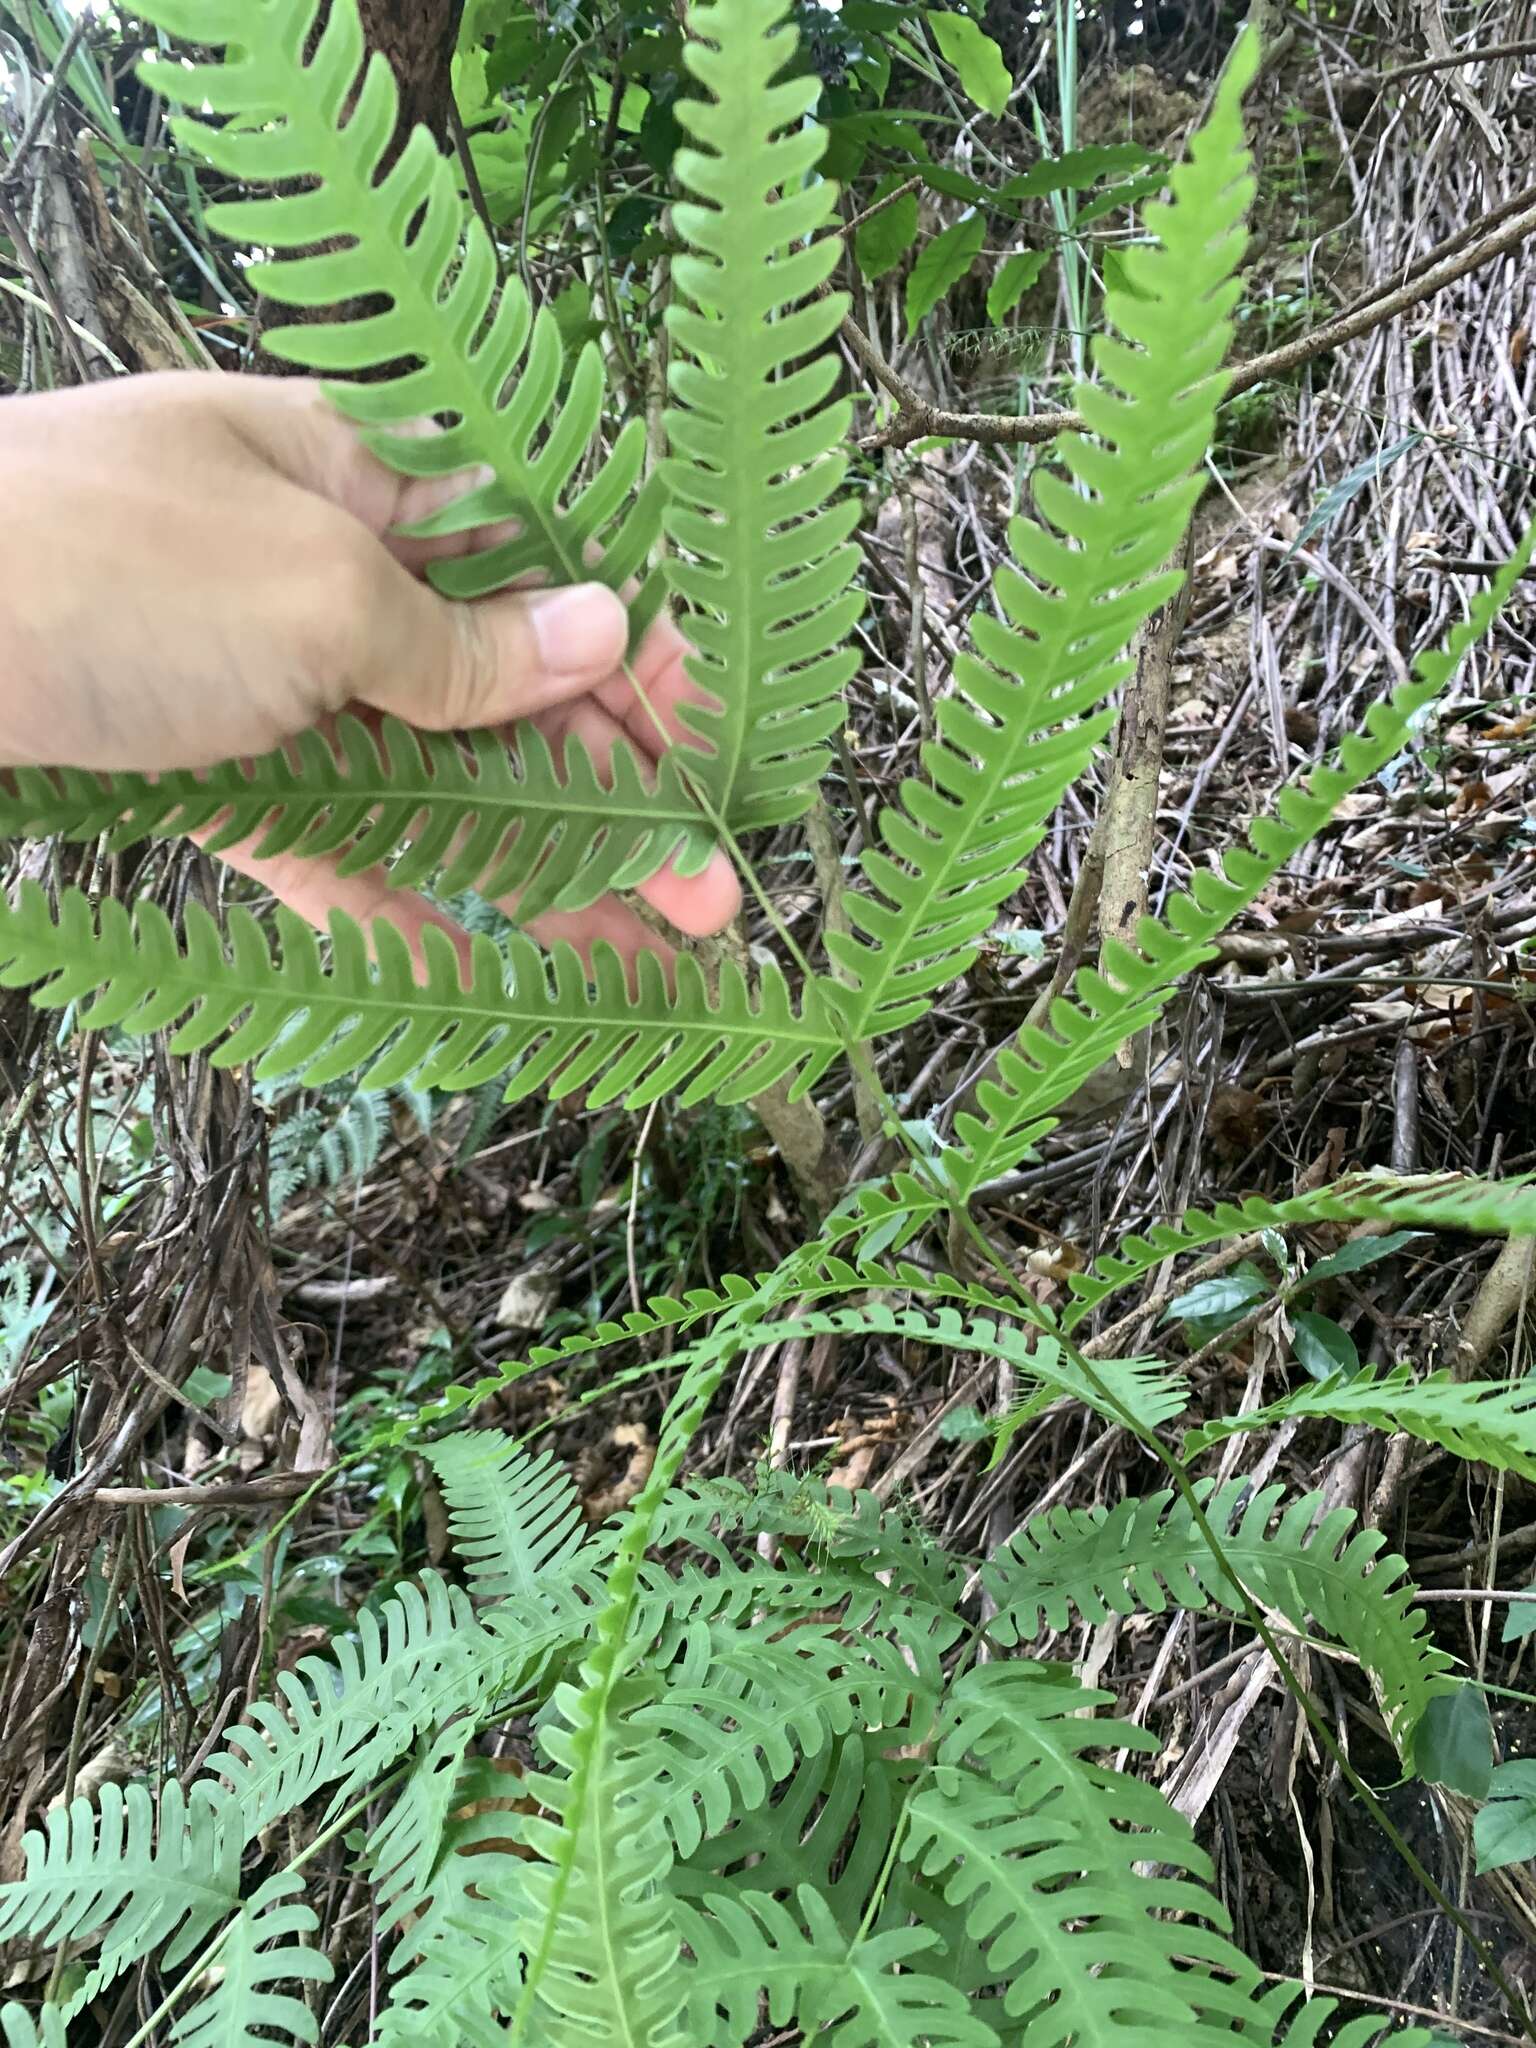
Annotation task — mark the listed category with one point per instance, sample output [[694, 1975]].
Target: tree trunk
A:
[[418, 37]]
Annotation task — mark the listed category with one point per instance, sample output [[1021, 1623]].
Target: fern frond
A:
[[461, 1965], [1152, 1554], [1447, 1201], [830, 1827], [1045, 1066], [859, 1993], [767, 560], [1014, 1807], [514, 1519], [22, 2029], [529, 1015], [850, 1532], [344, 1719], [1486, 1422], [263, 1947], [814, 1273], [1141, 1387], [1023, 720], [720, 1745], [304, 100], [404, 1848], [611, 1970], [1277, 2025], [462, 812], [107, 1865]]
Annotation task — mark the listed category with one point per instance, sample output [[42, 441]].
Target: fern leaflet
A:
[[767, 560], [305, 100], [515, 1519], [1006, 751], [1483, 1421], [1152, 1554], [527, 1015], [462, 812], [258, 1950], [1112, 1007]]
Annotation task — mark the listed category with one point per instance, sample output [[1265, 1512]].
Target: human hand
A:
[[194, 567]]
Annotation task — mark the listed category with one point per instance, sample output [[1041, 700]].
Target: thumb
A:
[[443, 665]]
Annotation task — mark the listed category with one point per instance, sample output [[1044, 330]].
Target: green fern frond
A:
[[514, 1518], [1318, 1571], [814, 1273], [404, 1848], [830, 1827], [108, 1865], [718, 1747], [1023, 720], [529, 1015], [767, 560], [1112, 1007], [1140, 1387], [1276, 2025], [306, 101], [344, 1719], [859, 1993], [1014, 1807], [1486, 1422], [460, 1966], [263, 1947], [22, 2029], [1447, 1201], [849, 1532], [462, 812], [610, 1974]]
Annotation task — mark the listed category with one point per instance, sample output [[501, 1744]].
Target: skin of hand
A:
[[197, 566]]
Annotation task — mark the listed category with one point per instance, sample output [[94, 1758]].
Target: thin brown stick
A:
[[1524, 47]]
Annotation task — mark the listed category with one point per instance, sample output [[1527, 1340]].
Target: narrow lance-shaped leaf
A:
[[763, 560], [1022, 722]]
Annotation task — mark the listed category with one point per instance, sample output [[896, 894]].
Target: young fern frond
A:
[[1152, 1554], [1112, 1007], [306, 101], [863, 1992], [721, 1744], [348, 1717], [112, 1864], [460, 812], [1138, 1386], [528, 1015], [1484, 1422], [1447, 1201], [1024, 718], [514, 1518], [262, 1947], [766, 559], [1014, 1806]]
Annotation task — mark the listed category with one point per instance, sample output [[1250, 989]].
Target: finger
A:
[[311, 887], [699, 904], [405, 650], [648, 700]]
